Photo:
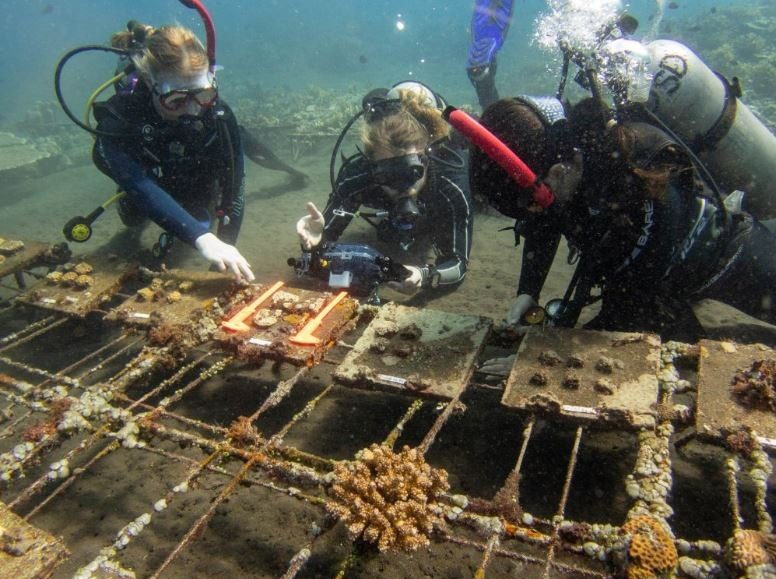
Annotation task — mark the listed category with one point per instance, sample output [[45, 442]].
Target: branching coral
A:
[[387, 498], [651, 552], [756, 387]]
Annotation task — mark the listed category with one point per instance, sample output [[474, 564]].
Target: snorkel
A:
[[494, 148], [210, 29]]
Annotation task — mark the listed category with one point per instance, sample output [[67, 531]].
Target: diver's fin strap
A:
[[727, 117]]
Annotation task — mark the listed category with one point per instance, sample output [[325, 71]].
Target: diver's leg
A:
[[262, 155]]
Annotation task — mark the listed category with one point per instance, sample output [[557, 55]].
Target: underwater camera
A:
[[357, 267]]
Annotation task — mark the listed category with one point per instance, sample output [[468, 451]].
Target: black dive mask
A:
[[399, 173]]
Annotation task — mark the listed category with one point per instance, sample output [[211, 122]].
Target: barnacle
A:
[[386, 498]]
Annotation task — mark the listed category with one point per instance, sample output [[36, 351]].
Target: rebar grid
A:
[[32, 336], [563, 499], [493, 542], [254, 459], [523, 558], [26, 330], [133, 371], [39, 372]]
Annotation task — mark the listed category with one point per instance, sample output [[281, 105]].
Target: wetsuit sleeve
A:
[[453, 222], [542, 237], [353, 180], [233, 184], [131, 176]]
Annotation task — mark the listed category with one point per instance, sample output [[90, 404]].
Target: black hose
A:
[[61, 98], [338, 144]]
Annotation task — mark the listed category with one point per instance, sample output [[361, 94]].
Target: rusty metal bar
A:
[[732, 470], [278, 437], [65, 371], [564, 497], [530, 559], [394, 435], [109, 359], [199, 526], [38, 332], [222, 471], [432, 433], [73, 477], [282, 390], [493, 542], [31, 328], [38, 371], [297, 562]]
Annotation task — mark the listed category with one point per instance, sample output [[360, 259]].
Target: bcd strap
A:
[[727, 117]]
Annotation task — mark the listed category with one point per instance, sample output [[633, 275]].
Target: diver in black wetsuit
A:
[[414, 181], [187, 158], [647, 229]]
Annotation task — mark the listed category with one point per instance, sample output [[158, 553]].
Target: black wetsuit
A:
[[640, 251], [173, 171], [445, 202]]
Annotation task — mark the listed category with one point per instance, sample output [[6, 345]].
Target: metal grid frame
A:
[[268, 455]]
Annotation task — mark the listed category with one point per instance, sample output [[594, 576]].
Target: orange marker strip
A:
[[305, 336], [237, 322]]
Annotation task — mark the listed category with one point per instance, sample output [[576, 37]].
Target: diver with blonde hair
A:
[[173, 145], [413, 179]]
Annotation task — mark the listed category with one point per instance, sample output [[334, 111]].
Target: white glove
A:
[[563, 178], [498, 366], [411, 284], [310, 227], [223, 256], [520, 305]]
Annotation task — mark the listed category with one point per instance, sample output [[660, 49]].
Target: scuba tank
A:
[[703, 109]]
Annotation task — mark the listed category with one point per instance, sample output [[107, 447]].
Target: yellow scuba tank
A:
[[704, 110]]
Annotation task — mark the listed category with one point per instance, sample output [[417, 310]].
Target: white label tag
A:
[[391, 379], [259, 342], [141, 315], [49, 301], [578, 410]]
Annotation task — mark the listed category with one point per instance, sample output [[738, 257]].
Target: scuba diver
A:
[[172, 145], [490, 23], [643, 221], [414, 181]]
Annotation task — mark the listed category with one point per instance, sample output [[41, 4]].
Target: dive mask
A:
[[399, 173], [174, 99]]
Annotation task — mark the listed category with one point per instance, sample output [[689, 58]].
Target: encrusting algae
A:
[[387, 498]]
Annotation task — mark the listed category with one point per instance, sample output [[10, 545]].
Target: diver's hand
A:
[[411, 284], [563, 178], [496, 367], [520, 305], [223, 256], [310, 227]]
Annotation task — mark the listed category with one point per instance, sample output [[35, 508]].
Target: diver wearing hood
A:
[[412, 179], [176, 147], [641, 221]]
